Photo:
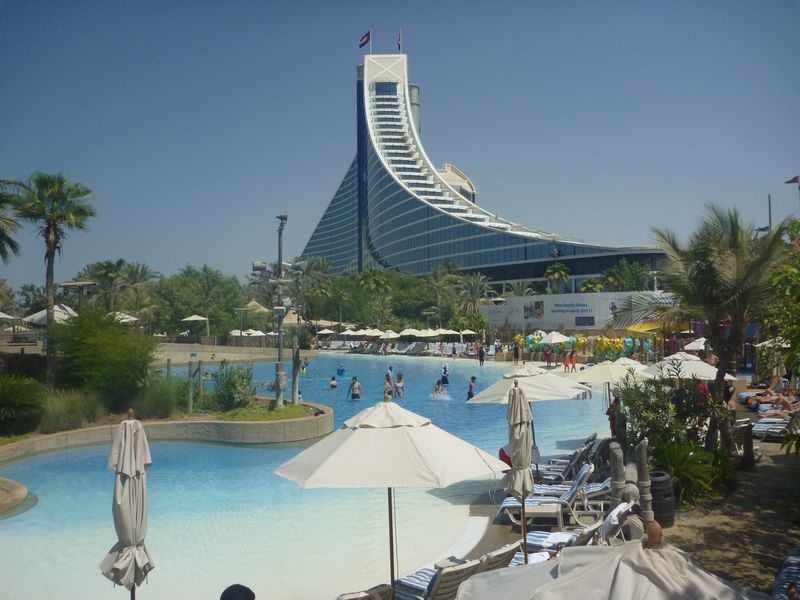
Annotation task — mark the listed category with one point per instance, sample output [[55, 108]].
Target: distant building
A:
[[395, 210]]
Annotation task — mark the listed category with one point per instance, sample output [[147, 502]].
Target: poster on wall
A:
[[556, 311]]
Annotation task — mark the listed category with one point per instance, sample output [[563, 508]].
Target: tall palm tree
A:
[[107, 275], [557, 272], [720, 276], [473, 289], [519, 289], [56, 205], [136, 278], [591, 286], [8, 223]]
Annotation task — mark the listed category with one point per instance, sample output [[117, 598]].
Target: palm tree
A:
[[473, 290], [107, 275], [8, 223], [721, 276], [137, 278], [557, 272], [519, 289], [56, 205], [591, 286]]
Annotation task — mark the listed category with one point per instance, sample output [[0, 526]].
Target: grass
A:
[[260, 413], [10, 439]]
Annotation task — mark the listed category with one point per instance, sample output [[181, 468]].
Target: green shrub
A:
[[65, 410], [692, 468], [102, 355], [21, 400], [235, 386], [161, 397]]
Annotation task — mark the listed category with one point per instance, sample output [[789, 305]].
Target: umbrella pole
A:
[[133, 592], [391, 536], [524, 533]]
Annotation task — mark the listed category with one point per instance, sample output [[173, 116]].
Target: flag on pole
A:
[[795, 179], [365, 39], [400, 41]]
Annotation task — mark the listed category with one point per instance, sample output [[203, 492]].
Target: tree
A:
[[8, 222], [591, 286], [556, 273], [136, 280], [626, 277], [720, 276], [31, 298], [107, 275], [56, 206], [7, 303], [473, 289], [784, 315], [519, 289]]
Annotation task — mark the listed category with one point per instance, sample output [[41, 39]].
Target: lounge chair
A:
[[766, 428], [561, 470], [544, 507], [379, 592], [435, 584]]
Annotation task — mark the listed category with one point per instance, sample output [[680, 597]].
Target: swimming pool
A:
[[217, 515]]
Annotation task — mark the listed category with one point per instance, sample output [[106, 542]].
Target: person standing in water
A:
[[481, 355], [445, 380], [354, 391], [471, 393], [399, 387]]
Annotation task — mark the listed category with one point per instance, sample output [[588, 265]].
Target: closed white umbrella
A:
[[128, 562], [518, 481], [387, 446]]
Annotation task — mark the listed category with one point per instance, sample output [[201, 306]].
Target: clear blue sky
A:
[[196, 122]]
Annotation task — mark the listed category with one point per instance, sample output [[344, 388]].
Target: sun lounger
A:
[[559, 471], [559, 508], [435, 584], [777, 428], [788, 575], [379, 592]]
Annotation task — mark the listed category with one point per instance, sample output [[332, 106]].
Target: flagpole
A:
[[370, 40]]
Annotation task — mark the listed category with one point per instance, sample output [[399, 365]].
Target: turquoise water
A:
[[217, 515]]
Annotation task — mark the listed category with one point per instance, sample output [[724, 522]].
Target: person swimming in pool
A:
[[354, 391]]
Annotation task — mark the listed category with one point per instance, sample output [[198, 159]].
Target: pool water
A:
[[217, 514]]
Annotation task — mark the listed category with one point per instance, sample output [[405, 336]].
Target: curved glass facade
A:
[[394, 211]]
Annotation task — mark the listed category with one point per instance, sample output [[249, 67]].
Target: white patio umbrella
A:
[[778, 342], [325, 332], [554, 337], [526, 370], [682, 356], [627, 571], [409, 331], [467, 332], [536, 388], [426, 333], [629, 362], [236, 332], [697, 345], [5, 316], [684, 369], [61, 314], [390, 335], [255, 333], [446, 332], [128, 562], [122, 317], [373, 333], [609, 373], [387, 446], [198, 318]]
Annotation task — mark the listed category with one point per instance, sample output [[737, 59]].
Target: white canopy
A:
[[629, 362], [236, 332], [535, 387], [423, 333], [409, 331], [446, 332], [554, 337], [627, 571], [5, 316], [325, 332], [697, 345], [61, 314], [390, 335], [254, 333], [372, 333], [195, 318], [468, 332]]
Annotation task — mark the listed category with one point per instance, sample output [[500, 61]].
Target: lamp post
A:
[[280, 313]]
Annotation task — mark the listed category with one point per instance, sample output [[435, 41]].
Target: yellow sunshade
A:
[[645, 327]]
